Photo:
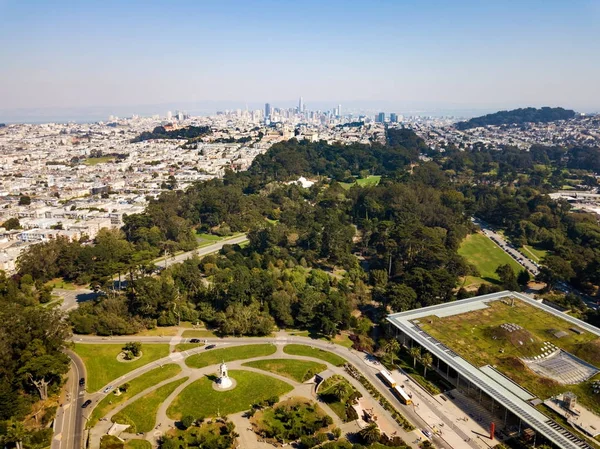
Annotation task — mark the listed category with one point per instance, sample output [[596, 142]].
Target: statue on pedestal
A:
[[224, 380]]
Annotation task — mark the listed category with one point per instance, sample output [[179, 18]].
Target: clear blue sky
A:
[[460, 53]]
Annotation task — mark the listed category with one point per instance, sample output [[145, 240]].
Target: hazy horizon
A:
[[401, 55]]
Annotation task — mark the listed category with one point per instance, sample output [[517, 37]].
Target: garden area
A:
[[201, 399], [218, 434], [291, 420], [340, 395]]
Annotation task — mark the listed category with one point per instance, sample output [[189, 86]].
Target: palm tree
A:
[[426, 360], [340, 390], [391, 348], [415, 352], [370, 434]]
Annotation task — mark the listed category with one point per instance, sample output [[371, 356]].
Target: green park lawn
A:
[[138, 444], [136, 386], [298, 370], [342, 339], [61, 283], [142, 412], [308, 351], [369, 181], [103, 367], [214, 356], [200, 399], [534, 254], [187, 346], [210, 237], [484, 254], [198, 333]]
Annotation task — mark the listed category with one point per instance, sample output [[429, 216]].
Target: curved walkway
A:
[[281, 339]]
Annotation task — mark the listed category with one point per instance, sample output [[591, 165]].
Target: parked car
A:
[[86, 403], [427, 433], [195, 340], [81, 382]]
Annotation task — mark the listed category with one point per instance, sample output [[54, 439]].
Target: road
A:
[[70, 421], [356, 358], [72, 298], [205, 250]]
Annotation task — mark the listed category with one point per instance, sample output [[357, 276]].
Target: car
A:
[[82, 382], [107, 389], [210, 346], [427, 433], [195, 340], [86, 403]]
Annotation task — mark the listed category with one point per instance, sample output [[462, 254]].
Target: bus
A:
[[402, 395], [387, 378]]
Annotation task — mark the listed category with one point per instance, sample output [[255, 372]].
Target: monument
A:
[[224, 381]]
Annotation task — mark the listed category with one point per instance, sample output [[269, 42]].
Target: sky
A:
[[402, 54]]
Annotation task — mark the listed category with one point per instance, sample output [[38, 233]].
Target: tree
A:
[[523, 278], [507, 277], [11, 223], [43, 370], [15, 432], [135, 347], [188, 421], [555, 269], [24, 200], [426, 360], [415, 353], [392, 347], [340, 390], [370, 434]]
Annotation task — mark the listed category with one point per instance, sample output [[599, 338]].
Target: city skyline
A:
[[460, 56]]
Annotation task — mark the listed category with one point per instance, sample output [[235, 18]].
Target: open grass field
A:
[[142, 413], [372, 180], [471, 335], [534, 254], [198, 333], [342, 339], [187, 346], [214, 356], [480, 251], [138, 444], [102, 365], [316, 353], [298, 370], [199, 399], [136, 386], [61, 283]]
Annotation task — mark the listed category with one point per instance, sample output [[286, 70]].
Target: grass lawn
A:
[[298, 370], [136, 386], [142, 413], [214, 356], [342, 339], [480, 251], [198, 333], [102, 365], [60, 283], [98, 160], [471, 336], [534, 254], [210, 237], [369, 181], [307, 351], [138, 444], [110, 442], [167, 331], [187, 346], [199, 399], [214, 434]]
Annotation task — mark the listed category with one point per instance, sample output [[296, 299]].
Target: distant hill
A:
[[518, 116], [189, 132]]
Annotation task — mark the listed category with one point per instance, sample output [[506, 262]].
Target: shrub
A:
[[187, 421]]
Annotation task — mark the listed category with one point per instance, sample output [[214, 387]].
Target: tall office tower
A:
[[169, 115], [393, 117], [267, 111], [381, 117], [301, 105], [339, 110]]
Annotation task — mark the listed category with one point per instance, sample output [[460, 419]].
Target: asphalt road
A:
[[70, 420], [352, 356], [72, 298]]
